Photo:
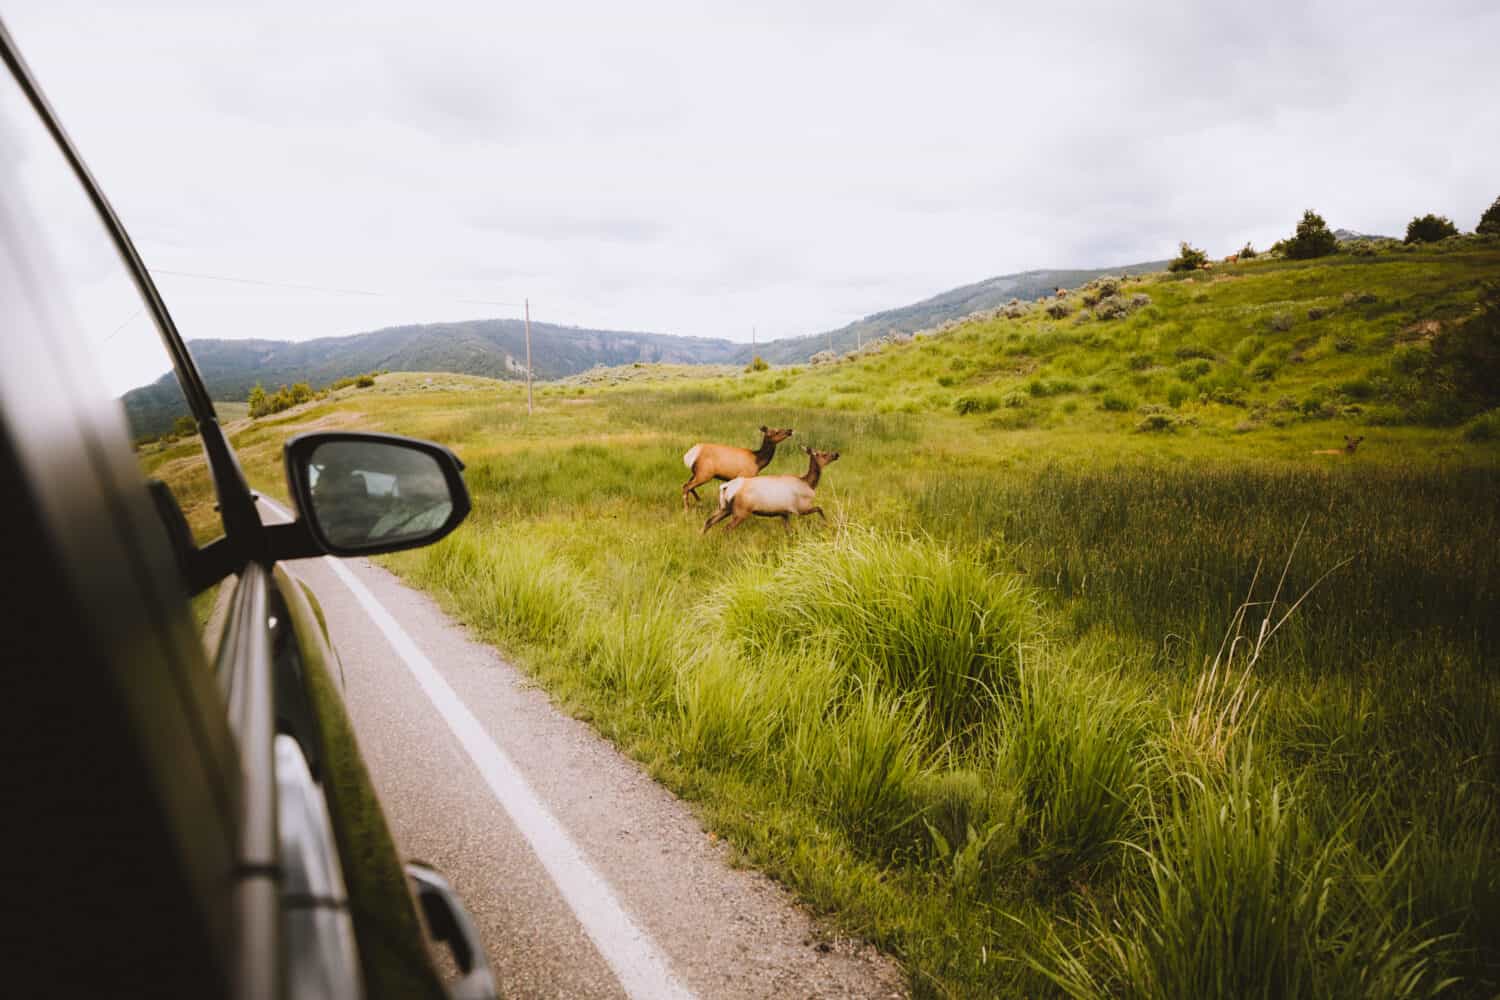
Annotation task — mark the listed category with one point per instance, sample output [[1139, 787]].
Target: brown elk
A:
[[1348, 449], [1233, 258], [722, 461], [772, 496], [1062, 293]]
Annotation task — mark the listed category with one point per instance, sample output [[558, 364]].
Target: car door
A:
[[194, 819]]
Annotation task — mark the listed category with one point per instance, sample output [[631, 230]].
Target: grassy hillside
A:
[[1341, 344], [496, 348], [1064, 699], [945, 307]]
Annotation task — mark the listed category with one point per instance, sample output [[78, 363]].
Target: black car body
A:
[[186, 812]]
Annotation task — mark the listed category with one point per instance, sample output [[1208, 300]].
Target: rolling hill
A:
[[495, 348]]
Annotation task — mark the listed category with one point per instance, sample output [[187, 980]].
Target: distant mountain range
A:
[[497, 347]]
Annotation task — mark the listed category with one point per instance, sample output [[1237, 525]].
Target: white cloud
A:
[[699, 170]]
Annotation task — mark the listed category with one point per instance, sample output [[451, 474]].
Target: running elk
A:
[[1348, 449], [772, 496], [722, 461]]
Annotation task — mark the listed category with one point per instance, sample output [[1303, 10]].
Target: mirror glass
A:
[[376, 493]]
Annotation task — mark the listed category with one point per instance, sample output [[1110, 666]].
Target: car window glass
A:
[[94, 293]]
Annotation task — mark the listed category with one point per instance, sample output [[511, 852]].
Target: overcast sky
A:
[[708, 168]]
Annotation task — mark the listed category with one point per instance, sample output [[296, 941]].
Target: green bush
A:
[[1191, 371], [757, 365], [259, 402], [184, 426], [1157, 418], [1139, 362], [1265, 369], [975, 404], [1409, 359], [1429, 228], [364, 381], [1247, 348], [1248, 252], [1116, 403], [1189, 258], [1485, 427], [1489, 222], [1465, 360], [284, 399], [1312, 239]]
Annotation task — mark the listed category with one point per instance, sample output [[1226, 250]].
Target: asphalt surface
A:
[[624, 894]]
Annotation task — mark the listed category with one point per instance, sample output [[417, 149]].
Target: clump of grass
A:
[[1071, 741], [901, 613], [1243, 896], [984, 403], [509, 585]]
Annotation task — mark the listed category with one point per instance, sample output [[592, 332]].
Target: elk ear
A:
[[763, 429], [807, 449]]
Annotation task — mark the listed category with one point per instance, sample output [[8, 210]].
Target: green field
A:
[[1098, 681]]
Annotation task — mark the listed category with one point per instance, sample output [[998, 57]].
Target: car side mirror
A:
[[362, 494]]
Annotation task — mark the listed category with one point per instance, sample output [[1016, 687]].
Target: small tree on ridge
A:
[[1189, 258], [1489, 222], [1312, 239], [1429, 228]]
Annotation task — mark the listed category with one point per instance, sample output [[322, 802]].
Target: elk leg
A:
[[715, 518], [691, 488], [738, 520], [818, 511], [786, 521]]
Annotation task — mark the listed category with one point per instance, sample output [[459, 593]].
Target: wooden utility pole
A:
[[528, 357]]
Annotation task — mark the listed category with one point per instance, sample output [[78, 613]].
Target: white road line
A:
[[641, 967]]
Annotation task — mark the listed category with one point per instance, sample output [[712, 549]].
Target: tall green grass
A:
[[986, 716]]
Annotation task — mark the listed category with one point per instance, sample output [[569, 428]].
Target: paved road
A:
[[586, 878]]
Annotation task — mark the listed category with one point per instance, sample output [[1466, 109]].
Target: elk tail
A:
[[728, 490]]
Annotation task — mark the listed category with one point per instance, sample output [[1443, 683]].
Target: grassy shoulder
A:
[[1051, 707]]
